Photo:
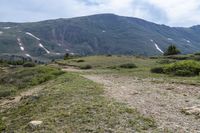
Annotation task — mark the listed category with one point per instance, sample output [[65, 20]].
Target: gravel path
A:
[[162, 101]]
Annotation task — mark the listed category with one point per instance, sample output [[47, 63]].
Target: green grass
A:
[[21, 78], [98, 62], [108, 65], [73, 104]]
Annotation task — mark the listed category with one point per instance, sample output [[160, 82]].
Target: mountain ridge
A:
[[95, 34]]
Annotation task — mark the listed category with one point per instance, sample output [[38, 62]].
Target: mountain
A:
[[96, 34]]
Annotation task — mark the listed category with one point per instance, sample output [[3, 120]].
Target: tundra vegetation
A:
[[67, 101]]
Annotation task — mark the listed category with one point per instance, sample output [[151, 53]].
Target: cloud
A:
[[170, 12]]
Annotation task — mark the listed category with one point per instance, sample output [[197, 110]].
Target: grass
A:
[[108, 65], [98, 62], [73, 104], [21, 78]]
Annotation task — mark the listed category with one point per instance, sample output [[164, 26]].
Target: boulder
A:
[[35, 124]]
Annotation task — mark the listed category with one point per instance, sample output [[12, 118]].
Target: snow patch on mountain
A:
[[188, 41], [22, 48], [28, 55], [158, 48], [1, 32], [30, 34], [156, 45], [170, 39], [48, 52], [20, 44], [58, 53], [67, 50], [6, 28]]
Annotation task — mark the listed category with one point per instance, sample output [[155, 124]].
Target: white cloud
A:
[[170, 12]]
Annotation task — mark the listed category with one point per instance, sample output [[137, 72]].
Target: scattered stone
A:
[[170, 88], [35, 124], [184, 94], [29, 97], [195, 110], [186, 101], [11, 98]]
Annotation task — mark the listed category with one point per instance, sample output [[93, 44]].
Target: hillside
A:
[[96, 34], [111, 96]]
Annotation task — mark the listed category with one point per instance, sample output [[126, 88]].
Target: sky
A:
[[180, 13]]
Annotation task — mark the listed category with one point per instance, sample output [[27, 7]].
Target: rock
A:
[[195, 110], [35, 124], [170, 88], [11, 98]]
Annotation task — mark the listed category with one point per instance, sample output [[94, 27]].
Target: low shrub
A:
[[29, 64], [6, 91], [86, 67], [183, 68], [128, 66], [109, 55], [197, 53], [184, 73], [79, 61], [157, 70]]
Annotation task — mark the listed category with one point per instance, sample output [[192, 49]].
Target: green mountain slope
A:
[[96, 34]]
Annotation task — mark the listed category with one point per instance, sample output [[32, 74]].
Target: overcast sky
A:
[[169, 12]]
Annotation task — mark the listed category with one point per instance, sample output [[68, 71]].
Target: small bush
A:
[[86, 67], [197, 58], [184, 73], [128, 66], [157, 70], [6, 91], [79, 61], [29, 64], [197, 53], [183, 68], [109, 55]]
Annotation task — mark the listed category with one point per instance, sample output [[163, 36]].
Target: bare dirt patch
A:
[[162, 101]]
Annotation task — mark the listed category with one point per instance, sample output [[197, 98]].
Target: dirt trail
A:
[[12, 101], [162, 101]]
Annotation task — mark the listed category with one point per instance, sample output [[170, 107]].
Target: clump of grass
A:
[[157, 70], [85, 67], [165, 61], [29, 64], [6, 91], [128, 66]]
